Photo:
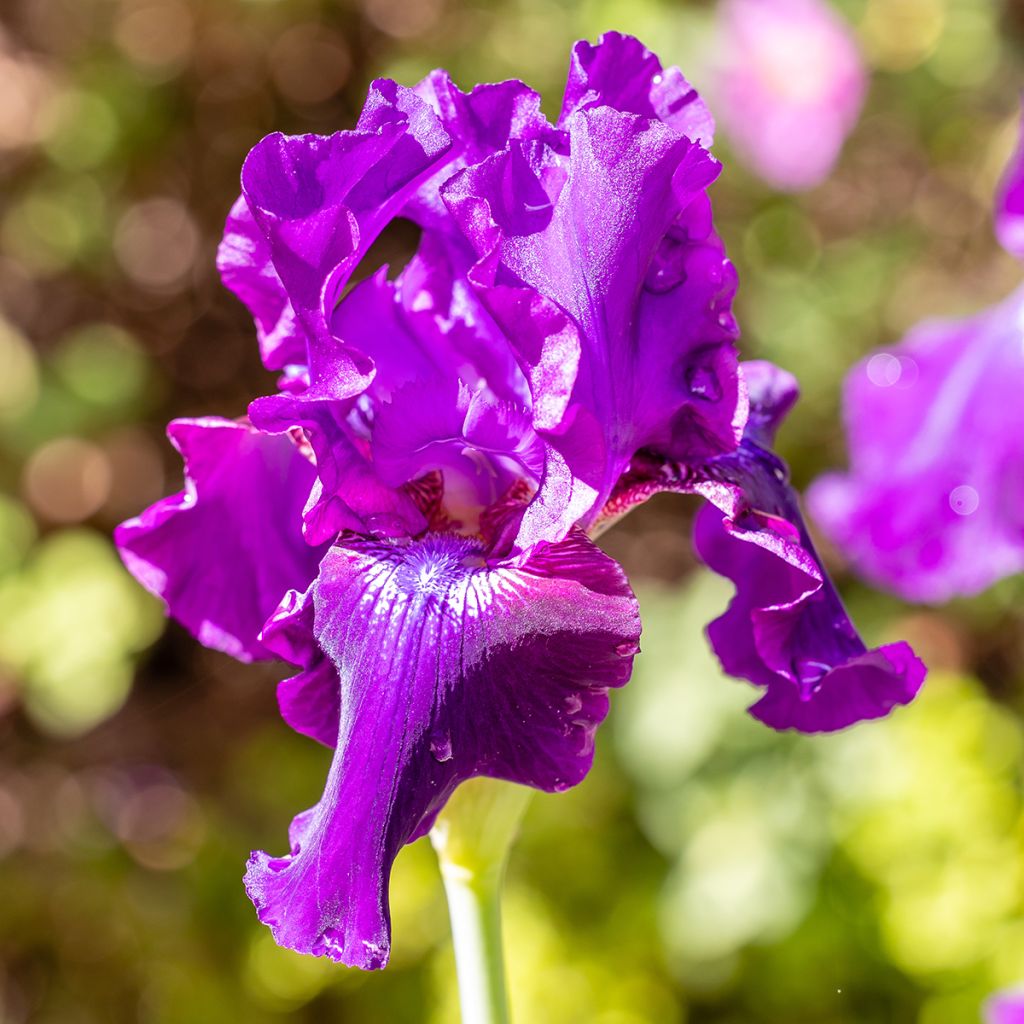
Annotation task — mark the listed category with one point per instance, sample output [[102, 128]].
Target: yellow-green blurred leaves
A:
[[71, 621]]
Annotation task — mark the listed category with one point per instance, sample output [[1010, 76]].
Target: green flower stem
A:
[[472, 837]]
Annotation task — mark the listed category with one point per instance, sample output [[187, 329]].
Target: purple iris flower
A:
[[789, 87], [1005, 1007], [409, 518], [932, 505]]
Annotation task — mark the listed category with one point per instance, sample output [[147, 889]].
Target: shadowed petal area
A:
[[222, 553], [348, 493], [1009, 212], [309, 701], [448, 668], [320, 201], [619, 71], [1005, 1007], [932, 505], [786, 628]]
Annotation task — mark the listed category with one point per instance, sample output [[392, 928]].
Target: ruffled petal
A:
[[243, 259], [620, 72], [790, 87], [602, 268], [310, 701], [786, 628], [933, 503], [449, 667], [348, 493], [480, 123], [1009, 212], [320, 202], [222, 553], [481, 445]]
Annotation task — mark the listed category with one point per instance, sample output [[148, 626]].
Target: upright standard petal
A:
[[448, 667], [243, 259], [933, 503], [480, 123], [320, 202], [620, 72], [603, 271], [222, 553], [789, 87]]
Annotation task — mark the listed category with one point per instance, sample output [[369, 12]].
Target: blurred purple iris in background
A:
[[1005, 1007], [932, 505], [789, 87], [409, 518]]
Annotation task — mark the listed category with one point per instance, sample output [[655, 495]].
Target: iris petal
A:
[[447, 668], [222, 553]]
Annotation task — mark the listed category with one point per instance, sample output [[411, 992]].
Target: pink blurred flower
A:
[[790, 86]]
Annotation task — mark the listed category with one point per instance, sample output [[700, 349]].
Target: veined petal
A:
[[222, 553], [448, 667], [933, 503], [620, 72], [320, 202]]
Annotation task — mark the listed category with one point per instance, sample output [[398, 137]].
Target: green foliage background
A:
[[708, 871]]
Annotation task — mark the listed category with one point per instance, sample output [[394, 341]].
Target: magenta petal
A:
[[1009, 211], [243, 259], [603, 271], [222, 553], [320, 202], [349, 493], [310, 701], [449, 668], [786, 628], [620, 72], [1005, 1007], [933, 503], [480, 123]]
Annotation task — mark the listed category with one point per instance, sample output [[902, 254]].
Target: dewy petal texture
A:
[[223, 552], [448, 668], [933, 503], [602, 269], [789, 87]]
